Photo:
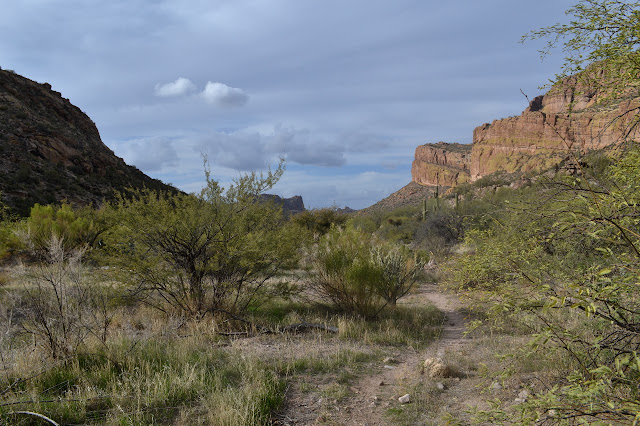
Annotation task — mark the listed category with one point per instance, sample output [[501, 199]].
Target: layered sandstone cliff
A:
[[441, 164], [571, 118], [568, 119]]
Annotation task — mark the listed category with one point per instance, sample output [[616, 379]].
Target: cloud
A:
[[149, 154], [223, 95], [239, 151], [180, 87], [301, 147]]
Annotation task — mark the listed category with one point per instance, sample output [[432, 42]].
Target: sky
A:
[[343, 90]]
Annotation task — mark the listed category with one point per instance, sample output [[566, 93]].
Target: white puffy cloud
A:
[[180, 87], [223, 95]]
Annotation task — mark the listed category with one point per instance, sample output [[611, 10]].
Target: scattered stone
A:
[[389, 367], [496, 386], [436, 367], [405, 399], [523, 395], [440, 385]]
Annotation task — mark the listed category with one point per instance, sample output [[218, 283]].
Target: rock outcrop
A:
[[571, 118], [441, 164], [51, 151]]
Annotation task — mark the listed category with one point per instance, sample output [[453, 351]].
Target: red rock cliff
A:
[[441, 164], [568, 118], [571, 117]]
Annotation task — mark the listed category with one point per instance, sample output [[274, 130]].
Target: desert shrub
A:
[[214, 252], [359, 274], [400, 268], [440, 230], [319, 221], [345, 275], [62, 307], [363, 223], [10, 241], [74, 228]]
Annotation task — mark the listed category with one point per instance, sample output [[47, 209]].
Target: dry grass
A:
[[158, 369]]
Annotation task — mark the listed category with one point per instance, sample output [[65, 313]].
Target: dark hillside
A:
[[51, 151]]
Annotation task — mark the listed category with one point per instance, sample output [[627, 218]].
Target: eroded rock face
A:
[[570, 118], [441, 164], [539, 139], [51, 151]]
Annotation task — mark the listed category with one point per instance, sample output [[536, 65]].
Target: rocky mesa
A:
[[571, 118]]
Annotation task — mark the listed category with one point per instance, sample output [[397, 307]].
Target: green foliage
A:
[[358, 274], [209, 253], [603, 36], [344, 273], [400, 270], [568, 266], [10, 241], [76, 228], [319, 221]]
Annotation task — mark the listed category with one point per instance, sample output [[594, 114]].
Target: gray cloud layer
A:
[[344, 90]]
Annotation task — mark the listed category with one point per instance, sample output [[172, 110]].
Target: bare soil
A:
[[370, 395]]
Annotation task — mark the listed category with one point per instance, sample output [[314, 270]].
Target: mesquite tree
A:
[[212, 252]]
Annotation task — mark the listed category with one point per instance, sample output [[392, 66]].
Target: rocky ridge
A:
[[51, 151], [571, 118]]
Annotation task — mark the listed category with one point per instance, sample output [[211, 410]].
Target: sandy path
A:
[[371, 395]]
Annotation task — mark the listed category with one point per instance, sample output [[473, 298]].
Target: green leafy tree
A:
[[214, 252]]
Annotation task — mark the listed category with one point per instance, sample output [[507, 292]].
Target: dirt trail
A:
[[372, 395]]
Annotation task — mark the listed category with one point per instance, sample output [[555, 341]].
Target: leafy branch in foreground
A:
[[569, 268], [603, 35]]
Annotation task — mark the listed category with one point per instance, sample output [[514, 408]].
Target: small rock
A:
[[496, 386], [440, 385], [389, 367], [522, 396], [405, 399], [435, 367]]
